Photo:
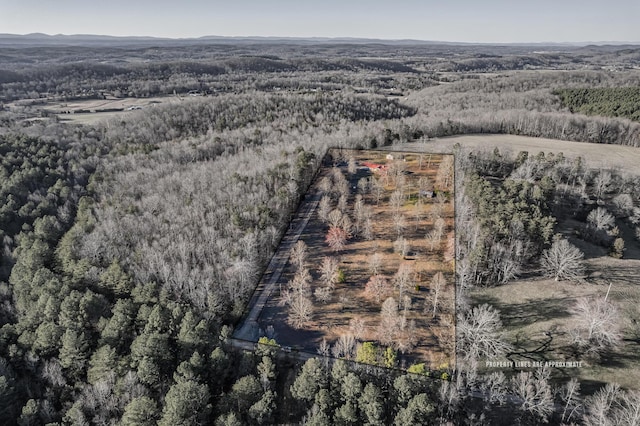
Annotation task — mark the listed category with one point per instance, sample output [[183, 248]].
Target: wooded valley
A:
[[132, 244]]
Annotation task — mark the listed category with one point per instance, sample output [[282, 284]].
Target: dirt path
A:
[[596, 155], [249, 329]]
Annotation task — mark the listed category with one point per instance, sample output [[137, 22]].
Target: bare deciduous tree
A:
[[432, 239], [342, 204], [534, 392], [324, 208], [357, 327], [299, 255], [335, 218], [599, 406], [444, 177], [377, 188], [601, 219], [367, 229], [563, 261], [396, 200], [439, 226], [344, 347], [326, 185], [418, 212], [341, 185], [628, 412], [389, 322], [352, 166], [570, 395], [623, 205], [480, 333], [324, 348], [424, 186], [336, 238], [494, 387], [301, 282], [378, 287], [300, 311], [437, 284], [329, 271], [364, 185], [404, 278], [322, 294], [400, 223], [601, 183], [375, 263], [598, 325], [450, 248], [401, 246], [346, 224]]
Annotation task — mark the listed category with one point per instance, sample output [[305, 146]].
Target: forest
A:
[[131, 245], [611, 102]]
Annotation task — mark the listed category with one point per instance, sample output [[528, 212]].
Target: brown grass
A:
[[531, 308], [596, 155], [331, 320]]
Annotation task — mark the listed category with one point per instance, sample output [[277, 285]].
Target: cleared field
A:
[[351, 312], [596, 155], [92, 111], [538, 313], [538, 319]]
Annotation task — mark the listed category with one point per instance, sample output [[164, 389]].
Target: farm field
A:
[[397, 211], [595, 155], [91, 111]]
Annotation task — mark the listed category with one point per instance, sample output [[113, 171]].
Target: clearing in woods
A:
[[371, 267]]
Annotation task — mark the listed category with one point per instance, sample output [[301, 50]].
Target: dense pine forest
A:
[[132, 243]]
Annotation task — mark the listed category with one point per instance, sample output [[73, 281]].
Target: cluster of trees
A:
[[129, 248], [522, 104], [335, 394], [607, 101], [87, 80], [507, 226], [120, 282], [297, 295]]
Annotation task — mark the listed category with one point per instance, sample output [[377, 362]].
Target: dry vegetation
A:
[[590, 315], [416, 273], [130, 246]]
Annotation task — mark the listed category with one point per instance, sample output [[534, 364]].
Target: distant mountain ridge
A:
[[40, 39]]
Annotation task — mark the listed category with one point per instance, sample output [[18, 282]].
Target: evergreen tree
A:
[[310, 380], [186, 403], [74, 352], [103, 362], [140, 411], [419, 411], [371, 405]]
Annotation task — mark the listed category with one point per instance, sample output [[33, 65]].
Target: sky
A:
[[480, 21]]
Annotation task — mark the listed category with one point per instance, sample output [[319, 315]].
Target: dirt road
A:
[[249, 329]]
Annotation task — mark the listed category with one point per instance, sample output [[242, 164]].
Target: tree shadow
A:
[[534, 311], [523, 314], [620, 273]]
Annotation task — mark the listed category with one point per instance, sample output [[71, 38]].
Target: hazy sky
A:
[[444, 20]]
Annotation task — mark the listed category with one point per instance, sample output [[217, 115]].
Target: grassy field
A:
[[91, 111], [537, 317], [595, 155], [434, 335]]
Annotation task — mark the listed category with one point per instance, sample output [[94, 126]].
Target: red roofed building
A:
[[374, 167]]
